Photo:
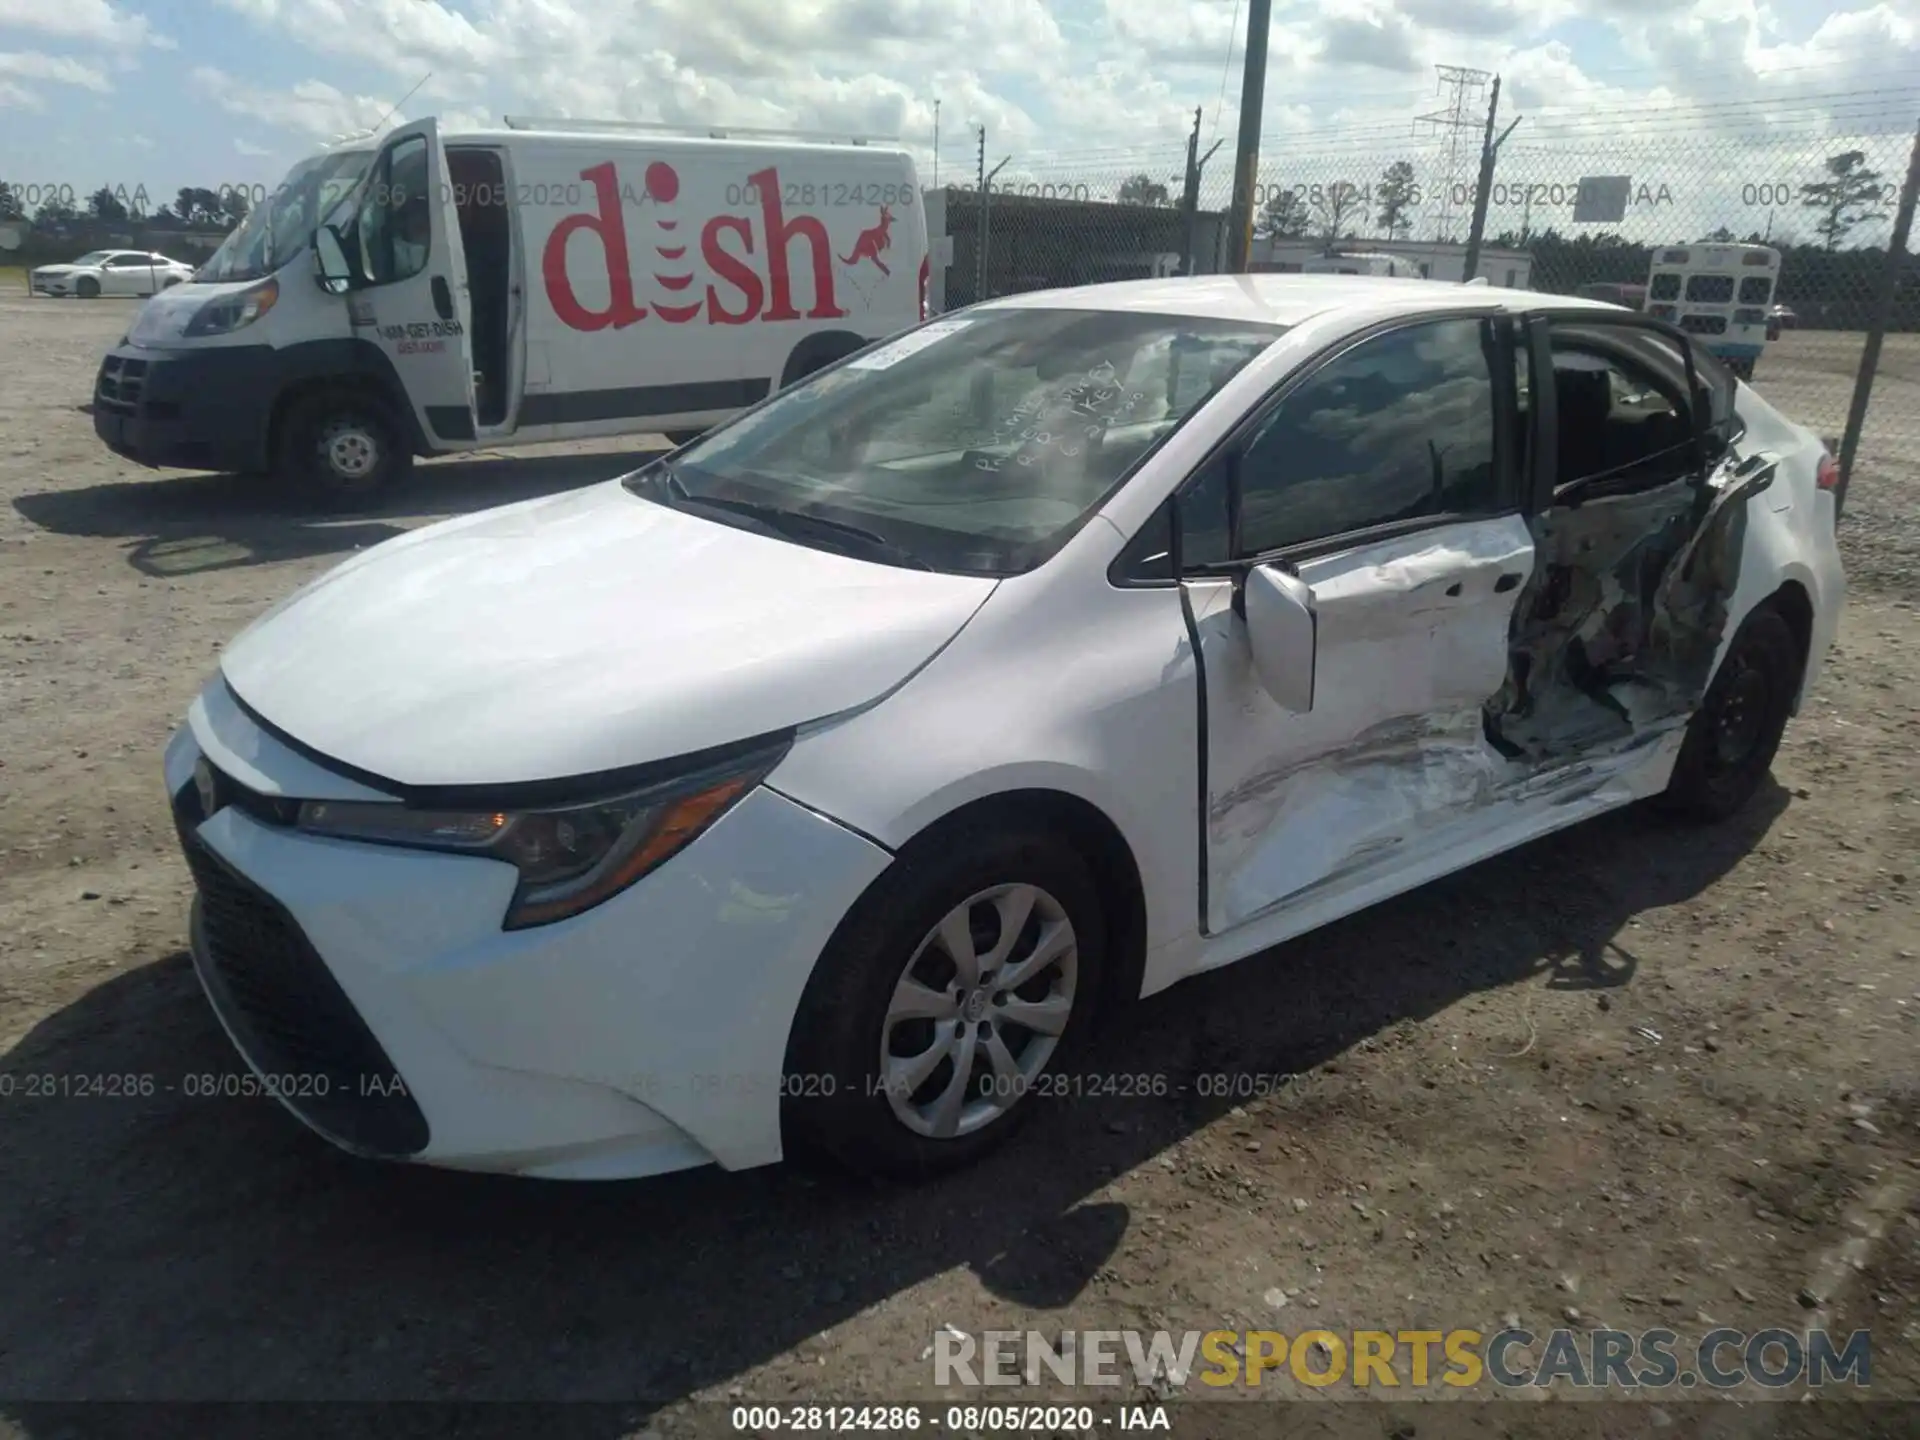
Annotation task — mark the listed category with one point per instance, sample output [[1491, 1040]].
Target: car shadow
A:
[[192, 524], [163, 1246]]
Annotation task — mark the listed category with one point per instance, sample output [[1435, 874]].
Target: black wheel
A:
[[959, 983], [684, 437], [1734, 736], [87, 288], [342, 450]]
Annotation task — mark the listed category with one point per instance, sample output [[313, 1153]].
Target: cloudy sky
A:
[[1725, 103]]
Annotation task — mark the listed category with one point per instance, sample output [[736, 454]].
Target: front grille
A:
[[121, 384], [290, 1016]]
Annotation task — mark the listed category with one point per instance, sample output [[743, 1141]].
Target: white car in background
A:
[[819, 783], [110, 272]]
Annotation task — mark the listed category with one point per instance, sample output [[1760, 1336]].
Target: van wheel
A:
[[1736, 732], [87, 288], [342, 450], [951, 997]]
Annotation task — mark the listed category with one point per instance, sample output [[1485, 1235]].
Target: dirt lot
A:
[[1628, 1076]]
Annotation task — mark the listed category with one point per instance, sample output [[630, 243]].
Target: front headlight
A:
[[226, 313], [570, 856]]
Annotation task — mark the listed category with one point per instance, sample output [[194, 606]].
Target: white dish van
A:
[[422, 294]]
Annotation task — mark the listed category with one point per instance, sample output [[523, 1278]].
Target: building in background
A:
[[1039, 242], [1430, 259]]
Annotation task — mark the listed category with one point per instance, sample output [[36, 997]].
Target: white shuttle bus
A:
[[1719, 292], [420, 294]]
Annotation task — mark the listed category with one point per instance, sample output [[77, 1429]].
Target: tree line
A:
[[192, 206], [1846, 194]]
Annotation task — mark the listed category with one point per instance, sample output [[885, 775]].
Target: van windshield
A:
[[977, 444], [281, 228]]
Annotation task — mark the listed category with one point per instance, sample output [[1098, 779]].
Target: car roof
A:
[[1291, 299]]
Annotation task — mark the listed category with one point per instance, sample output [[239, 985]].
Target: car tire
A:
[[836, 1102], [86, 288], [1733, 737], [342, 451]]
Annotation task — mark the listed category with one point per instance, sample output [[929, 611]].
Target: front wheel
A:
[[951, 1001], [342, 450], [87, 288], [1735, 734]]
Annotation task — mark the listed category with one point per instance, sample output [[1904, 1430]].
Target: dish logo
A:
[[737, 294]]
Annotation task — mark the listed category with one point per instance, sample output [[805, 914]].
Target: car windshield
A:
[[275, 232], [977, 444], [94, 257]]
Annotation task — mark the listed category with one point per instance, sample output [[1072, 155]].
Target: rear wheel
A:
[[342, 450], [1735, 734], [950, 993]]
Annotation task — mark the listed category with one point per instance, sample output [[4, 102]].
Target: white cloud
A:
[[312, 108], [1696, 95], [57, 69], [247, 147], [94, 21]]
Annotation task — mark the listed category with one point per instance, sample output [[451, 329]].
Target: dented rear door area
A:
[[1637, 556]]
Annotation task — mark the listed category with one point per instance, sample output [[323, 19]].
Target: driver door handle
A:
[[442, 297]]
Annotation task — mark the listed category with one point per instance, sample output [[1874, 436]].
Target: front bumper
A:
[[55, 285], [205, 409], [646, 1035]]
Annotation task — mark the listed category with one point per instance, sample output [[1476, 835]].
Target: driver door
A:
[[1383, 487], [411, 296]]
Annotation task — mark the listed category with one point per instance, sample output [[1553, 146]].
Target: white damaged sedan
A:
[[822, 783]]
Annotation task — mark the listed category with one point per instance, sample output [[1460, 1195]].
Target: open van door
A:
[[412, 299]]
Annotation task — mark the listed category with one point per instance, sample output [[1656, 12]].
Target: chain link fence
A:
[[1824, 195]]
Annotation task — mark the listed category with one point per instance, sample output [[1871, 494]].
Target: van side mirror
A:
[[332, 271], [1283, 633]]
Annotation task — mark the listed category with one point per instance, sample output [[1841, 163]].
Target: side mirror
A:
[[332, 271], [1282, 631]]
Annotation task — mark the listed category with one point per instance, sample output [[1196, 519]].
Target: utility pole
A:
[[936, 144], [1190, 195], [1489, 148], [985, 217], [1246, 159]]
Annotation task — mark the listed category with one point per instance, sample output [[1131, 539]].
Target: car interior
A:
[[1614, 427]]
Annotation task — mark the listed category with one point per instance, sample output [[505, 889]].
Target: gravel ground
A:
[[1630, 1074]]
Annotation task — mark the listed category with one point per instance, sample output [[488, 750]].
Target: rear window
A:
[[1710, 289], [1665, 287], [1755, 289]]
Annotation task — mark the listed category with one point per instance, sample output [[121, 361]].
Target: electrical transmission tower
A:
[[1460, 123]]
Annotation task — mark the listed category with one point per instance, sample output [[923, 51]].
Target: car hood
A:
[[579, 633], [66, 269]]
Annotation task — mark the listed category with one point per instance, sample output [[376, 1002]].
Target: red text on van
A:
[[737, 292]]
